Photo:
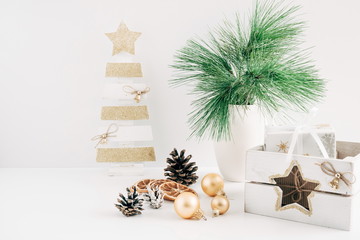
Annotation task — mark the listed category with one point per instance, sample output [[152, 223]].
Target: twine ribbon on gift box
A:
[[330, 170], [138, 93], [297, 188], [102, 138]]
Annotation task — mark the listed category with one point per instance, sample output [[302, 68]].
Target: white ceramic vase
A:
[[247, 129]]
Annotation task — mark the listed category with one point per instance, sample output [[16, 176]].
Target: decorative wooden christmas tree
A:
[[124, 140]]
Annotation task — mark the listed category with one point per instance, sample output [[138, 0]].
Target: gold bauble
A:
[[187, 205], [212, 184], [220, 205]]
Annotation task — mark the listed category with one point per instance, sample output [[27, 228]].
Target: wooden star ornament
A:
[[123, 39], [294, 191]]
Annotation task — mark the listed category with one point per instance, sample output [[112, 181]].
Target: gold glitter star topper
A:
[[123, 39], [283, 146]]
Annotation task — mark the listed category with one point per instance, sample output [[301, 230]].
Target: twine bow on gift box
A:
[[295, 190], [329, 169], [102, 138], [295, 194], [138, 93]]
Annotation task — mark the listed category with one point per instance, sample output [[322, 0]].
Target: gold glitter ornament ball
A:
[[187, 205], [220, 204], [212, 183]]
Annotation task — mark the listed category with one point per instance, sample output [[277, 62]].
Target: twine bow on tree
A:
[[102, 138], [138, 93], [329, 169]]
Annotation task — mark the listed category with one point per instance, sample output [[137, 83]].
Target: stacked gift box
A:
[[278, 139]]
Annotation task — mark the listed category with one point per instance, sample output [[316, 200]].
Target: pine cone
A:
[[154, 196], [179, 168], [132, 205]]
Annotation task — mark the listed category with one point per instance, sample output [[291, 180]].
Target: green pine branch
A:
[[260, 64]]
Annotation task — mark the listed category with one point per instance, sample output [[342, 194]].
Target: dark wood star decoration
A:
[[295, 189]]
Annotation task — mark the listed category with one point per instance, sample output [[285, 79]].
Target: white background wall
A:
[[53, 56]]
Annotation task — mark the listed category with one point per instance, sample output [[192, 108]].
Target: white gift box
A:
[[300, 189], [278, 139]]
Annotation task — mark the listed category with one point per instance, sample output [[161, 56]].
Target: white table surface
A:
[[79, 204]]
